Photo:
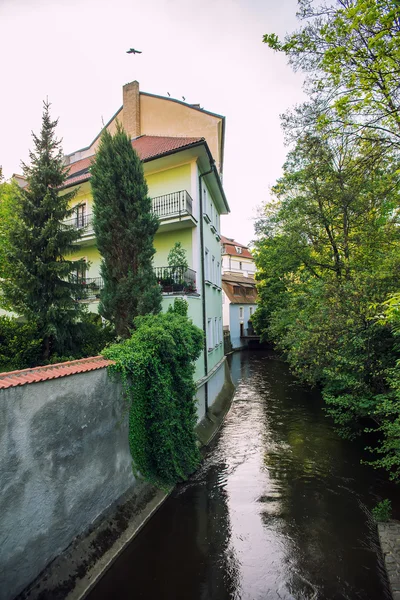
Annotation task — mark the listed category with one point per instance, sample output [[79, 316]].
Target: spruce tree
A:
[[41, 285], [125, 227]]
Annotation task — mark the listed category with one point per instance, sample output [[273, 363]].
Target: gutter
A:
[[203, 283]]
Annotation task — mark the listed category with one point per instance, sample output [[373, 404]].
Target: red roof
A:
[[230, 245], [148, 147], [15, 378]]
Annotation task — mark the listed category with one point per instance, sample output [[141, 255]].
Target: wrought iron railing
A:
[[176, 279], [176, 204], [82, 222], [91, 287]]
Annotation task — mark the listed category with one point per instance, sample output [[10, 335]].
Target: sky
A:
[[73, 52]]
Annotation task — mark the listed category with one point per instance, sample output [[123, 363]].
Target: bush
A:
[[20, 346], [157, 366], [91, 335], [382, 511]]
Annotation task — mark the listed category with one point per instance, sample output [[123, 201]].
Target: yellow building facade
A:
[[185, 186]]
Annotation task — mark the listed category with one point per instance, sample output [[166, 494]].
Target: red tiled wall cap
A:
[[15, 378]]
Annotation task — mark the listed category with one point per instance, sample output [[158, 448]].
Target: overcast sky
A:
[[209, 51]]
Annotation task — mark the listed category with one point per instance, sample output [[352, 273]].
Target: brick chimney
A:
[[131, 111]]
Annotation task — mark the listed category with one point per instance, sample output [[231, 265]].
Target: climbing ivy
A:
[[157, 365]]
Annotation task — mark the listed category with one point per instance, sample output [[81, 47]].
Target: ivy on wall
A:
[[157, 365]]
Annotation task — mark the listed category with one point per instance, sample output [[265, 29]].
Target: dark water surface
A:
[[278, 510]]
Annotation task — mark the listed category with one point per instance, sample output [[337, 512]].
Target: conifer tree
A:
[[125, 229], [41, 285]]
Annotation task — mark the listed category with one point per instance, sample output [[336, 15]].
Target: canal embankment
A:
[[389, 537]]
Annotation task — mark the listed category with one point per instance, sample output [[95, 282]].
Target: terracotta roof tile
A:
[[147, 146], [229, 247], [38, 374]]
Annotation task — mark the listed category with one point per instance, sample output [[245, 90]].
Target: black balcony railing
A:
[[176, 204], [81, 221], [176, 280], [90, 287]]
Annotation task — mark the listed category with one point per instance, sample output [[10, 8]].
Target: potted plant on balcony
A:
[[178, 265]]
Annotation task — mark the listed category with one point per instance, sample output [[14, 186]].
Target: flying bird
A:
[[133, 51], [184, 98], [168, 94]]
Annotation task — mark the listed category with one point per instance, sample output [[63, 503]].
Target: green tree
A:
[[125, 227], [350, 51], [40, 282], [8, 192], [178, 263], [327, 256]]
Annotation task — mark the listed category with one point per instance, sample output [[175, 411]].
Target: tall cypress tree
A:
[[41, 284], [125, 229]]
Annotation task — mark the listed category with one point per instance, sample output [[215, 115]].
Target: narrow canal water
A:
[[280, 508]]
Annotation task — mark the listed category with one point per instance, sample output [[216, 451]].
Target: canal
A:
[[280, 508]]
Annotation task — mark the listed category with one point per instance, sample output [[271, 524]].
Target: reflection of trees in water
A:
[[315, 476], [183, 553], [220, 572]]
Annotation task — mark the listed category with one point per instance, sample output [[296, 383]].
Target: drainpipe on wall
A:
[[203, 285]]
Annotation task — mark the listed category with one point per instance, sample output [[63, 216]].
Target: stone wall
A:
[[64, 458]]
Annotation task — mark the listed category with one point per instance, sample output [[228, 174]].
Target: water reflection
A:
[[277, 510]]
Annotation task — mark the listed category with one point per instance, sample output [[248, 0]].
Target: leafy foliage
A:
[[329, 252], [327, 258], [8, 192], [382, 512], [20, 345], [125, 227], [156, 365], [39, 284], [177, 257], [350, 51]]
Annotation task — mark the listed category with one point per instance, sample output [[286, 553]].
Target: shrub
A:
[[382, 511], [157, 367], [20, 346]]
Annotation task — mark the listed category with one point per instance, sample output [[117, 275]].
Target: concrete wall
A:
[[64, 458]]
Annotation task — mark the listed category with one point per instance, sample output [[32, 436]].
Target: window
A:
[[81, 271], [220, 331], [213, 270], [205, 203], [238, 249], [81, 216], [240, 265], [210, 334], [251, 310], [241, 312], [249, 291], [206, 265], [216, 331], [218, 279], [236, 290]]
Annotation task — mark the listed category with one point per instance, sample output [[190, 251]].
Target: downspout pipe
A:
[[203, 283]]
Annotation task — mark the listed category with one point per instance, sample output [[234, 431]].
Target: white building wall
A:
[[236, 320]]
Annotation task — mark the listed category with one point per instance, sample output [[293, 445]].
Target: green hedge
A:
[[21, 348]]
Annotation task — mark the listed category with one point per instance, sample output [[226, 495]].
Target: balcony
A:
[[83, 222], [174, 210], [91, 288], [176, 280]]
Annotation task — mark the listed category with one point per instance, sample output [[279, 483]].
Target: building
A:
[[239, 296], [181, 147]]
